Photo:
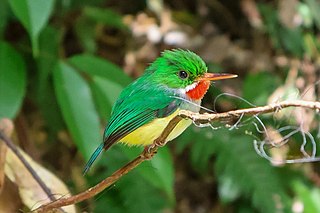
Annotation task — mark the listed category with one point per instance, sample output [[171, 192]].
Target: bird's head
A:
[[185, 72]]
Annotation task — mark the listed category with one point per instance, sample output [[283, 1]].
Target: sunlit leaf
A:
[[33, 14], [77, 108], [12, 81]]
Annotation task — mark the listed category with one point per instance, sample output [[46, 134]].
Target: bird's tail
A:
[[93, 157]]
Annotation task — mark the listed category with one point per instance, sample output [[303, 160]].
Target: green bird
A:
[[175, 81]]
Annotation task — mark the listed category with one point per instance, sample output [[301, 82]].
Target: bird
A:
[[177, 80]]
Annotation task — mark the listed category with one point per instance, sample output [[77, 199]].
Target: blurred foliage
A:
[[64, 63]]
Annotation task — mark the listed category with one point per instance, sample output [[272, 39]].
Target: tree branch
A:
[[275, 107], [149, 152]]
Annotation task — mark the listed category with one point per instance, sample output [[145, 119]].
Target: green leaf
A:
[[48, 43], [12, 81], [228, 189], [292, 40], [152, 200], [305, 13], [271, 23], [258, 87], [202, 149], [312, 45], [159, 171], [76, 104], [3, 16], [104, 16], [132, 194], [122, 196], [97, 66], [184, 140], [309, 197], [250, 174], [105, 93], [163, 172], [86, 33], [314, 7], [33, 14], [76, 4]]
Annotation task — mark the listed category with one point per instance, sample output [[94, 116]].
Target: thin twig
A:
[[275, 107], [6, 126], [152, 149], [14, 149]]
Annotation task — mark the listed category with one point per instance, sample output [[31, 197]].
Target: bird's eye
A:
[[183, 74]]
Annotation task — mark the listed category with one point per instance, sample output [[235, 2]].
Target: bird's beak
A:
[[216, 76]]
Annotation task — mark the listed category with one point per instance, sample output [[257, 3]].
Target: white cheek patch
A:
[[183, 91], [191, 86]]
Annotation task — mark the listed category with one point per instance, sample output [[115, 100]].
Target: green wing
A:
[[138, 104], [139, 107]]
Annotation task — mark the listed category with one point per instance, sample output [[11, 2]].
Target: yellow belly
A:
[[147, 133]]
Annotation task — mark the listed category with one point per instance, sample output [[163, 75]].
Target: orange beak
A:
[[216, 76]]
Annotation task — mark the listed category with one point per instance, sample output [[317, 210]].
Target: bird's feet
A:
[[151, 150]]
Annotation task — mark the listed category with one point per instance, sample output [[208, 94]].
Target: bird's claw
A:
[[150, 151], [159, 143]]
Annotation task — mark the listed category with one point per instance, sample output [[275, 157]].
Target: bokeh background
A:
[[64, 62]]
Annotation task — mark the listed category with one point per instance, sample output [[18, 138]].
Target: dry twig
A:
[[7, 128], [4, 137], [161, 141]]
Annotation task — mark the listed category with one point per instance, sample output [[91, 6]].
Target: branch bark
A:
[[149, 152]]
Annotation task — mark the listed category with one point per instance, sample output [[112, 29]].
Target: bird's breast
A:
[[146, 134]]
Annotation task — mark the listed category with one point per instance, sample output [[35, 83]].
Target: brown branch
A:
[[145, 155], [275, 107], [161, 141]]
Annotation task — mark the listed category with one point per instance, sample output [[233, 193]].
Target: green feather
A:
[[138, 104], [154, 95]]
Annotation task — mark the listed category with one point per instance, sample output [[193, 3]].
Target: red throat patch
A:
[[199, 91]]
